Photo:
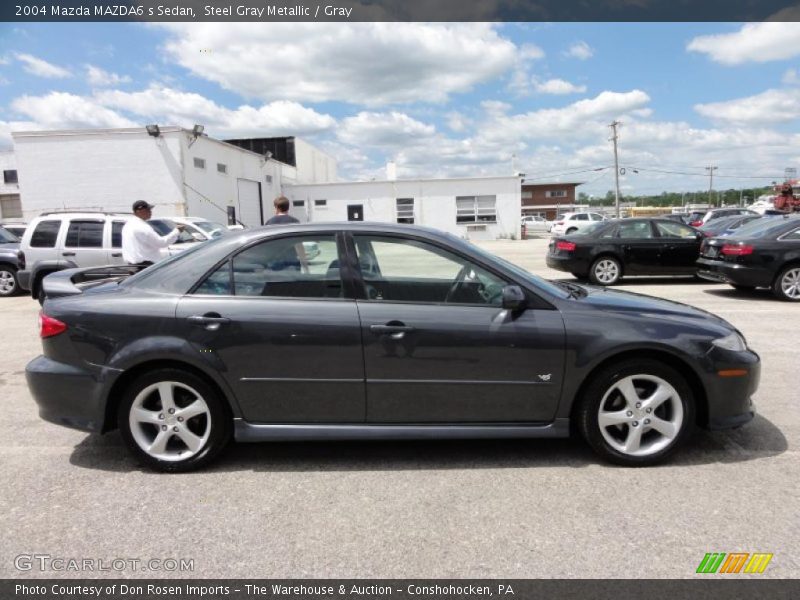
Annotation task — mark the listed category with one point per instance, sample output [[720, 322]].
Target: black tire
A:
[[571, 230], [217, 422], [597, 268], [602, 383], [779, 286], [9, 284], [40, 295]]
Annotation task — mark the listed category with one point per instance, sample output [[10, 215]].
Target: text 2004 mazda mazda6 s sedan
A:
[[390, 332]]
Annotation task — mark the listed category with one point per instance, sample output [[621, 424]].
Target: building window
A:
[[527, 194], [555, 194], [221, 168], [320, 202], [10, 207], [405, 210], [268, 178], [476, 209], [10, 176], [200, 163]]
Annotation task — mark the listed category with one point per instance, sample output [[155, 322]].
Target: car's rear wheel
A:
[[606, 270], [8, 281], [787, 284], [172, 420], [636, 413]]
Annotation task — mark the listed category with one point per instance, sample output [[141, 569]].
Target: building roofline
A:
[[556, 183], [418, 180]]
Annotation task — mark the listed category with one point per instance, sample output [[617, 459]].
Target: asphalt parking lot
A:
[[417, 509]]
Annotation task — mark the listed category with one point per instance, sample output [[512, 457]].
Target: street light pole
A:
[[710, 182], [614, 138]]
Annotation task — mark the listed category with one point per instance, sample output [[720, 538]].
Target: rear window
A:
[[45, 234], [85, 234]]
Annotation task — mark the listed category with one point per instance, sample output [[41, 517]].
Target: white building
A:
[[473, 208], [10, 206], [179, 172]]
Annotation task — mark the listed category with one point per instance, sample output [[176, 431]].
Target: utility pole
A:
[[614, 138], [710, 182]]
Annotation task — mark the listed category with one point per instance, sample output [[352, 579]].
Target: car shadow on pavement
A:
[[729, 292], [758, 439]]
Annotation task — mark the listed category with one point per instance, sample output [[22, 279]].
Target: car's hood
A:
[[617, 300], [10, 247]]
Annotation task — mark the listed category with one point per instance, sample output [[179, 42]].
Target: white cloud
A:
[[754, 42], [42, 68], [97, 77], [383, 129], [579, 50], [365, 63], [170, 106], [791, 77], [530, 52], [60, 110], [771, 106], [558, 87], [457, 122]]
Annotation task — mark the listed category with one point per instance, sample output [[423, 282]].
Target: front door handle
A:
[[393, 329], [210, 321], [116, 254]]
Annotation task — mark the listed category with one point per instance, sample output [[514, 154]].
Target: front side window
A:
[[476, 209], [635, 230], [675, 230], [580, 217], [45, 234], [85, 234], [291, 267], [403, 270]]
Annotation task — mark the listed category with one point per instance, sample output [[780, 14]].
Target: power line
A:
[[549, 175], [670, 172]]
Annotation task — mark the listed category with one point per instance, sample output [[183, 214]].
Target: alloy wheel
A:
[[640, 415], [606, 271], [170, 421], [8, 284], [790, 283]]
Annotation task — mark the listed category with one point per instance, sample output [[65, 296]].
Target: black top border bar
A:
[[400, 10]]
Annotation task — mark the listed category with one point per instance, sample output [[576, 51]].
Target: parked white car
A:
[[536, 224], [200, 229], [573, 222]]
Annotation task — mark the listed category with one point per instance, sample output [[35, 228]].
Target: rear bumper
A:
[[736, 274], [66, 395], [24, 280], [730, 401], [570, 264]]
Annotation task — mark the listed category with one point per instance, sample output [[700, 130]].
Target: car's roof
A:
[[88, 214]]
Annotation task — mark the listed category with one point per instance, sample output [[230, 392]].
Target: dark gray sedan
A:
[[390, 332]]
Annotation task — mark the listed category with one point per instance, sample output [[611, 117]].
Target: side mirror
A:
[[514, 298]]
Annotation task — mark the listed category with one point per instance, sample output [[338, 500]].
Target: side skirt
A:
[[261, 432]]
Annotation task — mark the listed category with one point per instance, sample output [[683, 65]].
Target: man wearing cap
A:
[[141, 244]]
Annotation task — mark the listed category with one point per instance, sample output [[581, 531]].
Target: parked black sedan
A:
[[392, 332], [764, 253], [610, 250]]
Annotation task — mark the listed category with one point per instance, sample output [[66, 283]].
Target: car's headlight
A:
[[733, 342]]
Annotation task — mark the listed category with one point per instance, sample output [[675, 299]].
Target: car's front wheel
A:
[[787, 284], [636, 413], [606, 270], [8, 281], [172, 420]]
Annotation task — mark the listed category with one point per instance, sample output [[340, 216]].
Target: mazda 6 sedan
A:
[[390, 332]]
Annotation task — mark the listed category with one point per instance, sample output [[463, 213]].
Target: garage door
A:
[[249, 202]]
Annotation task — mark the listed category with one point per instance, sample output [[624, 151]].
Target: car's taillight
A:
[[695, 223], [48, 326], [559, 222], [20, 260], [568, 246], [737, 249]]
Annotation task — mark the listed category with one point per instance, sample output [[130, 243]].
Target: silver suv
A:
[[65, 240]]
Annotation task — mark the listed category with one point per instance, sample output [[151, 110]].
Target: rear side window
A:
[[45, 234], [116, 234], [581, 217], [794, 235], [636, 230], [85, 234]]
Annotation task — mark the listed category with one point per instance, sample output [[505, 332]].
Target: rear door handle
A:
[[116, 254], [67, 254], [396, 332], [211, 321]]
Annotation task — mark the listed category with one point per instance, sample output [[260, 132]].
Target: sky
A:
[[440, 100]]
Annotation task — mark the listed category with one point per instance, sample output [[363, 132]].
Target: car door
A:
[[83, 243], [438, 346], [680, 247], [282, 330], [639, 246]]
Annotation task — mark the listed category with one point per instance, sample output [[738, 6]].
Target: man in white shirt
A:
[[141, 244]]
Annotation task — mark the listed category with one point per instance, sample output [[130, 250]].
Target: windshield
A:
[[765, 227], [6, 237], [210, 227], [165, 227]]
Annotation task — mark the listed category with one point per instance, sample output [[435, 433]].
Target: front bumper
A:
[[733, 273], [66, 395], [729, 398]]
